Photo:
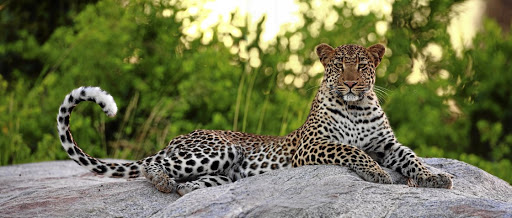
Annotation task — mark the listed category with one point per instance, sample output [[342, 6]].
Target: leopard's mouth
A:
[[350, 95]]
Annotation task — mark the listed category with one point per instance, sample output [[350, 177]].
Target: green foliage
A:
[[429, 113], [168, 83]]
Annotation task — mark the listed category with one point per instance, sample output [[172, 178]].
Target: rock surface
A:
[[64, 189]]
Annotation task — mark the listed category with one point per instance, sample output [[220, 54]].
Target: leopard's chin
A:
[[351, 97]]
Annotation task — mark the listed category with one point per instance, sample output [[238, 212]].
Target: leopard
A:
[[346, 126]]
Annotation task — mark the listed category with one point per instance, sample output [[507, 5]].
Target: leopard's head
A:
[[350, 69]]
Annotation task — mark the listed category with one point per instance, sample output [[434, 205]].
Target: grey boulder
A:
[[64, 189]]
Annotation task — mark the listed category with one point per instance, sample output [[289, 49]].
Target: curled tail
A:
[[107, 103]]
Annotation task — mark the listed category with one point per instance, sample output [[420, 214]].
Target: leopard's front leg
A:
[[344, 155], [402, 159]]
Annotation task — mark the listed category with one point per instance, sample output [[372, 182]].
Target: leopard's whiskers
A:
[[381, 93]]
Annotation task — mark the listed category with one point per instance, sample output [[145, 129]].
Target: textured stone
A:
[[62, 188]]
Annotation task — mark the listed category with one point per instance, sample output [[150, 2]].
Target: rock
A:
[[63, 189]]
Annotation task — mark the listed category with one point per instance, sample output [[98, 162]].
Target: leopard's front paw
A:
[[441, 180], [378, 176], [384, 177]]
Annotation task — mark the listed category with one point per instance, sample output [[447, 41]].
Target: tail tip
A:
[[111, 112], [101, 97], [111, 107]]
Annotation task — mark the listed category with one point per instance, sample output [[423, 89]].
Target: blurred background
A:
[[175, 66]]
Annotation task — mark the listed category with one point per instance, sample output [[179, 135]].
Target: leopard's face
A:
[[350, 69]]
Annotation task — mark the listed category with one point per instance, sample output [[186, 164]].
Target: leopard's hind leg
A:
[[202, 182], [171, 174], [162, 180], [156, 173], [197, 160]]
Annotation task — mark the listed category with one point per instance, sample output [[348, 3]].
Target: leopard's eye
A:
[[338, 63], [362, 64]]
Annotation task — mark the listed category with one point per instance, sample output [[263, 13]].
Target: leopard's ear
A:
[[377, 51], [324, 52]]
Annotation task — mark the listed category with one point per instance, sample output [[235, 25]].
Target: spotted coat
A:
[[346, 126]]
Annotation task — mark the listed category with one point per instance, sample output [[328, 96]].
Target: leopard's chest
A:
[[357, 126]]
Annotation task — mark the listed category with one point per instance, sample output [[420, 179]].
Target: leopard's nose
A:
[[350, 84]]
